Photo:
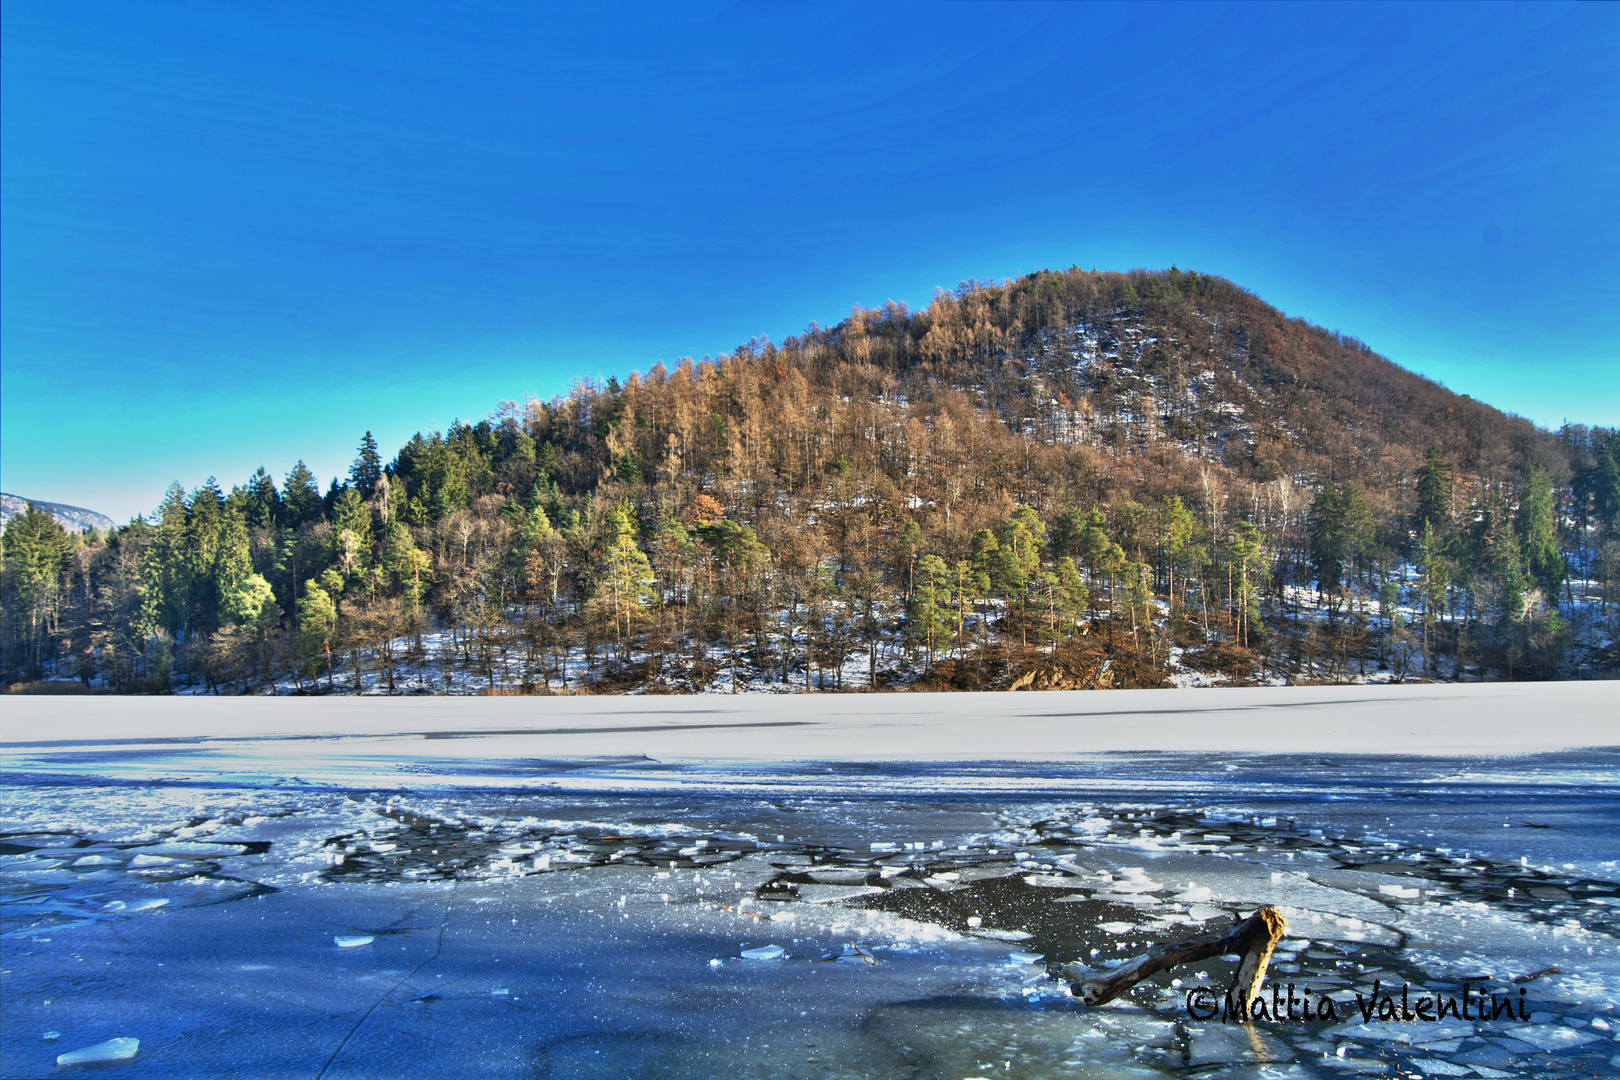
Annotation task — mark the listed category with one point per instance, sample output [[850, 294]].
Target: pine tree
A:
[[1017, 561], [317, 624], [1329, 543], [1177, 531], [205, 522], [1606, 488], [925, 616], [367, 468], [264, 501], [1434, 578], [1243, 550], [351, 532], [301, 494], [242, 593], [625, 581], [906, 551], [35, 546], [1434, 493], [1537, 527]]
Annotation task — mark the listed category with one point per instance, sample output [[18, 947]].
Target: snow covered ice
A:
[[533, 909]]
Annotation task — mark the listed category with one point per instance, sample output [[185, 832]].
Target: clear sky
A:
[[241, 234]]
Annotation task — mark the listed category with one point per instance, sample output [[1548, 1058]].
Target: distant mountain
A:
[[73, 518]]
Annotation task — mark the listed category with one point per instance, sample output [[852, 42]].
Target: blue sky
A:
[[237, 235]]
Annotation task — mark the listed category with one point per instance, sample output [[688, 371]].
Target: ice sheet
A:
[[600, 927]]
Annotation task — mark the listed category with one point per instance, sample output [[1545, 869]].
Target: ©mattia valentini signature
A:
[[1381, 1003]]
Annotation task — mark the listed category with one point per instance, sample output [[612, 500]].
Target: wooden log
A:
[[1254, 939]]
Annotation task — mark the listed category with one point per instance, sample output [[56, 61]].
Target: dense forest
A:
[[1074, 479]]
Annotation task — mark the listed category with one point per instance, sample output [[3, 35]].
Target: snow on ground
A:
[[843, 886], [393, 740]]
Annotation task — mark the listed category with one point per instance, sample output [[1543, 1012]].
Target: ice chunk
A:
[[1049, 881], [1551, 1037], [1441, 1067], [349, 941], [840, 877], [1220, 1045], [1003, 935], [97, 860], [111, 1050], [202, 850], [827, 894], [1118, 927], [147, 904], [975, 922], [764, 952], [52, 1036], [854, 954], [885, 846], [1025, 957], [1401, 892]]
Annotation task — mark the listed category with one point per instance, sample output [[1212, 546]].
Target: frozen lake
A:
[[342, 887]]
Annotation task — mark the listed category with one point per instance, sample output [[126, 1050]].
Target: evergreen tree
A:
[[1068, 528], [35, 546], [985, 565], [1434, 493], [317, 625], [625, 581], [205, 526], [1243, 550], [1606, 487], [166, 578], [1329, 542], [1434, 578], [926, 615], [407, 562], [1017, 561], [1177, 531], [242, 594], [264, 502], [301, 495], [1537, 527], [351, 532], [906, 552], [367, 468]]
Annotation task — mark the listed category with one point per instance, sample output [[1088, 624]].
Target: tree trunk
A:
[[1254, 939]]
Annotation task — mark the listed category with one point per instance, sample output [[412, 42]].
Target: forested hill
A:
[[1074, 478]]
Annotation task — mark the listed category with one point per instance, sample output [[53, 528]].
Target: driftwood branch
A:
[[1253, 939]]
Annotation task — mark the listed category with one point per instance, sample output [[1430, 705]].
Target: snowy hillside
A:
[[73, 518]]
